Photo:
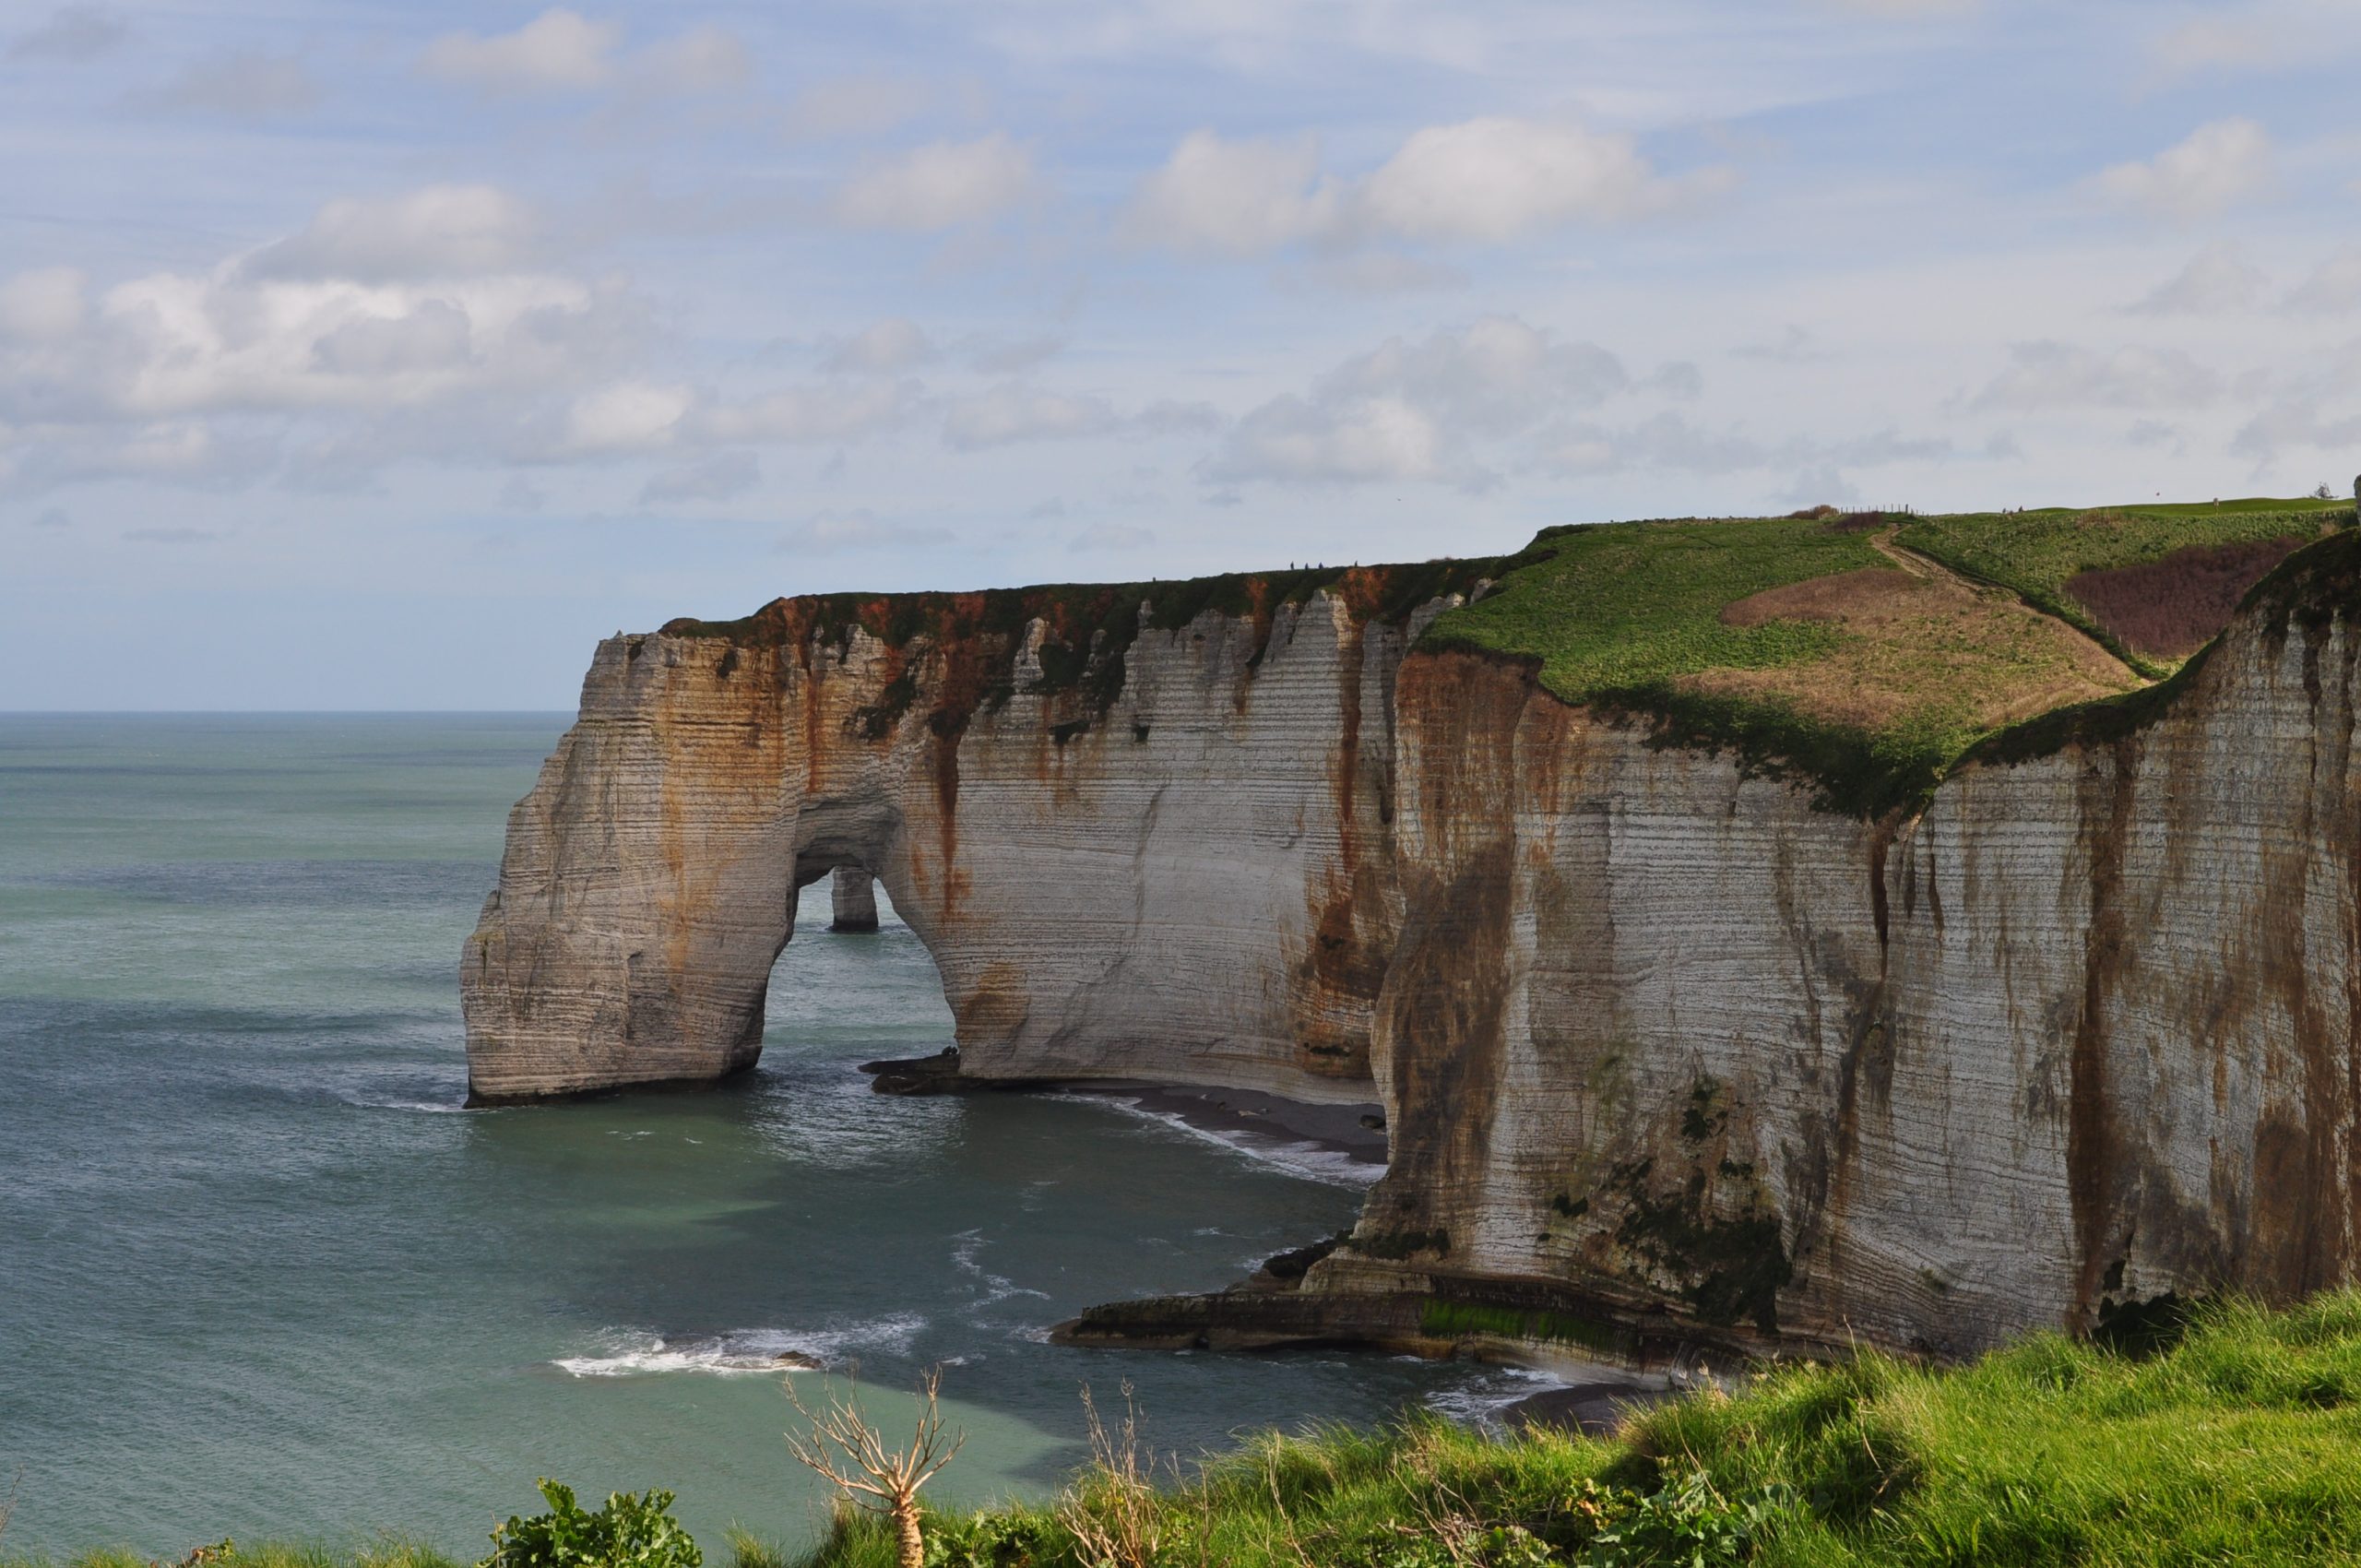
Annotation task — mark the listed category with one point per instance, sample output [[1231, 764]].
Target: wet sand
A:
[[1338, 1127]]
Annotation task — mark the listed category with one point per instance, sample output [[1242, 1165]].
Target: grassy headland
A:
[[1864, 655], [2241, 1442]]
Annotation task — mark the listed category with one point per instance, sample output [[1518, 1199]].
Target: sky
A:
[[387, 355]]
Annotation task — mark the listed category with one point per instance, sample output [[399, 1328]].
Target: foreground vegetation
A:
[[2239, 1442]]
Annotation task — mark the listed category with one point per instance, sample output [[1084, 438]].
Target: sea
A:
[[262, 1277]]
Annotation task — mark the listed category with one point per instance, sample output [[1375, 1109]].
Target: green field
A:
[[2035, 553], [1898, 645]]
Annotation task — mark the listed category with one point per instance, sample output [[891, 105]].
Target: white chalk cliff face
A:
[[1656, 1040], [1191, 882]]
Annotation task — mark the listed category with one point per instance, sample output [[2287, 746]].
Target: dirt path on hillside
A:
[[1932, 570]]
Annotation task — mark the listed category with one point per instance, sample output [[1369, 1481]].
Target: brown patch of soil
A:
[[1920, 642], [2169, 609], [1873, 593]]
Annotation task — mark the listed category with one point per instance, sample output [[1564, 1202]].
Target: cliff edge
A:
[[1760, 931]]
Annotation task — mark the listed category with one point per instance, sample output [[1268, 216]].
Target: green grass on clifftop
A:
[[2035, 554]]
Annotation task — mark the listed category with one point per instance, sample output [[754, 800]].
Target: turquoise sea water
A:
[[259, 1276]]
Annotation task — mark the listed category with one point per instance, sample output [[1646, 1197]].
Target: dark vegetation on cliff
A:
[[2231, 1436], [1861, 655]]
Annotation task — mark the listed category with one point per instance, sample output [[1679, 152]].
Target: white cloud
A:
[[1300, 440], [72, 32], [627, 417], [1011, 412], [720, 476], [2333, 288], [1239, 197], [941, 185], [1494, 179], [560, 49], [882, 347], [1489, 179], [2219, 163], [440, 231], [2217, 279], [432, 336], [1666, 441], [239, 87], [2049, 374], [41, 306], [1418, 412]]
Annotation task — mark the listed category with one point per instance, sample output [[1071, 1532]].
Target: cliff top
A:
[[1862, 654]]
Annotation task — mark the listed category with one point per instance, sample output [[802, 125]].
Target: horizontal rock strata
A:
[[1662, 1047]]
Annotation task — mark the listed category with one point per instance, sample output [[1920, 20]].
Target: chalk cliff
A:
[[1666, 1047]]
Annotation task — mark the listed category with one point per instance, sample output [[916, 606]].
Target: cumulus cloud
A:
[[1012, 412], [1493, 179], [2050, 374], [2217, 279], [1418, 412], [72, 32], [1489, 179], [562, 51], [41, 306], [941, 185], [2333, 288], [558, 50], [239, 87], [1665, 441], [1240, 197], [2219, 164], [440, 231], [882, 347], [630, 416], [720, 476]]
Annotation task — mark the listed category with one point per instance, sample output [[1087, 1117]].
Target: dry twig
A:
[[851, 1455]]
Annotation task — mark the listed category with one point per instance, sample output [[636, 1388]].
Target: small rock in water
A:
[[795, 1360]]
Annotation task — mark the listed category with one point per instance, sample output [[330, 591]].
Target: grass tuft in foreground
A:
[[2239, 1443]]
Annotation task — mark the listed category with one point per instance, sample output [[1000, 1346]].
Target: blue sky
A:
[[387, 355]]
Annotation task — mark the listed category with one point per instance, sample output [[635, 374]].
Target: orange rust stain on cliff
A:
[[2093, 1158], [2302, 1153], [993, 1012], [1447, 991]]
